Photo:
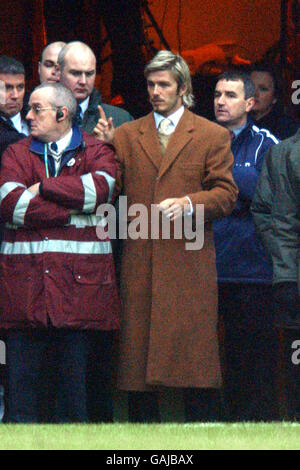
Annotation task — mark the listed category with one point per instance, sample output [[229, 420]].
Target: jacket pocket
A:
[[97, 272], [192, 168], [94, 300]]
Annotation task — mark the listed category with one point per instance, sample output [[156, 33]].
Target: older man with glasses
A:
[[57, 279]]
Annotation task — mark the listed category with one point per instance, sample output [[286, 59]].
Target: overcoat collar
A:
[[148, 138]]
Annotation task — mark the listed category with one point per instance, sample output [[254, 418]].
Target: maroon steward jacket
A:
[[52, 265]]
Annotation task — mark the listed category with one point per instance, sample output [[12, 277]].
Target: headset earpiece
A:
[[59, 114]]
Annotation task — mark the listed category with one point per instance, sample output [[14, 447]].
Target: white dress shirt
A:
[[84, 106], [174, 118]]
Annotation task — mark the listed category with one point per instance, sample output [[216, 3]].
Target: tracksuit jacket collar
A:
[[77, 141]]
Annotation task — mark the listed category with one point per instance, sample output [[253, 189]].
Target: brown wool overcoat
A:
[[169, 294]]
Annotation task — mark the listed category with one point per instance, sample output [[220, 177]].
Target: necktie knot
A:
[[54, 147], [165, 126]]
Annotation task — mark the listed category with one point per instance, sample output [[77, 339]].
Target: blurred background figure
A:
[[268, 111], [48, 65]]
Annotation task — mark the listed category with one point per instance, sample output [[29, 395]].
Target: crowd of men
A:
[[64, 153]]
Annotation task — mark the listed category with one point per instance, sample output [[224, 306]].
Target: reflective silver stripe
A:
[[21, 207], [89, 193], [87, 220], [10, 226], [79, 220], [56, 246], [110, 181], [8, 187]]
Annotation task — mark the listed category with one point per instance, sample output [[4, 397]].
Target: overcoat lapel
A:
[[179, 139], [149, 141]]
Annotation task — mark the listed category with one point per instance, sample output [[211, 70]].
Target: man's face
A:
[[79, 73], [42, 116], [163, 92], [231, 107], [14, 94], [48, 67]]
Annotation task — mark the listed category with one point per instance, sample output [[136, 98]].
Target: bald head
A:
[[77, 64], [48, 65]]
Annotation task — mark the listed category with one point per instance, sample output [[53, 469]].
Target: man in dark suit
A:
[[13, 125], [77, 64]]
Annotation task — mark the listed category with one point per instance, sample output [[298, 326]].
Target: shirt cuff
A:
[[190, 212]]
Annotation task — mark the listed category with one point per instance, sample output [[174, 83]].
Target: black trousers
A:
[[69, 351], [98, 380], [200, 405], [3, 385], [251, 352]]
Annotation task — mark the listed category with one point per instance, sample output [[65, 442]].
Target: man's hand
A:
[[34, 189], [174, 208], [104, 129]]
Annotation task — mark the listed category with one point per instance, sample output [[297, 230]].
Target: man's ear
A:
[[250, 103], [182, 91]]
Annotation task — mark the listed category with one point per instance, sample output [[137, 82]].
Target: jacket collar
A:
[[245, 131], [95, 100], [296, 136], [37, 146]]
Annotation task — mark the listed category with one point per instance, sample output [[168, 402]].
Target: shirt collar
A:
[[174, 118], [84, 105], [37, 146], [19, 124], [239, 129], [63, 143]]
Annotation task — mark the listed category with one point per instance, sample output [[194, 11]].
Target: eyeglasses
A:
[[36, 109]]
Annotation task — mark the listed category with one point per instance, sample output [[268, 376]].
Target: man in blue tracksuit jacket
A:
[[244, 271]]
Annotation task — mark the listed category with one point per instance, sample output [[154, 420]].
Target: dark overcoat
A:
[[169, 293]]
